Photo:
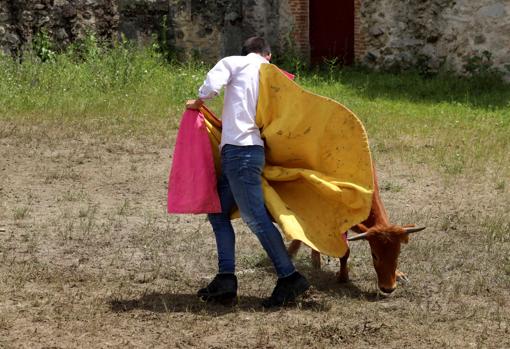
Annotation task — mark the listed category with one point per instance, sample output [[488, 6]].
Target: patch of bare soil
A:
[[89, 258]]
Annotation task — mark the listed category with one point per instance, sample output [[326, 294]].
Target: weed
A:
[[21, 213], [478, 64], [43, 47], [161, 42], [61, 175], [87, 49], [254, 261], [332, 67], [65, 231], [453, 167], [290, 59], [123, 209], [480, 67], [87, 219], [390, 186], [71, 195]]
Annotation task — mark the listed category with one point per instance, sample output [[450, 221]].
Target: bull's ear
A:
[[359, 228], [404, 238]]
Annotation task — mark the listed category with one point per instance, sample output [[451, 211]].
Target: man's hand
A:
[[194, 104]]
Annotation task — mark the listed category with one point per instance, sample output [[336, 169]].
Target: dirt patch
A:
[[89, 258]]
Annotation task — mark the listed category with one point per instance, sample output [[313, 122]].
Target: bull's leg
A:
[[343, 274], [316, 260], [293, 248]]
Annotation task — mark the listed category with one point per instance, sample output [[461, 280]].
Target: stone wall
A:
[[205, 28], [140, 20], [435, 33], [65, 20], [388, 33], [213, 29]]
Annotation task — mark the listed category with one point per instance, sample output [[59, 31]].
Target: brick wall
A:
[[360, 46], [301, 26]]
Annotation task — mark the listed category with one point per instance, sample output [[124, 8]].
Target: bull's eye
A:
[[374, 256]]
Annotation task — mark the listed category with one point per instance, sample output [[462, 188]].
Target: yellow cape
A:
[[318, 179]]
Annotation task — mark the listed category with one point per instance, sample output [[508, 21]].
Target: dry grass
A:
[[89, 257]]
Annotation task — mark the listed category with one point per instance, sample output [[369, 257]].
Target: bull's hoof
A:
[[342, 277], [316, 260]]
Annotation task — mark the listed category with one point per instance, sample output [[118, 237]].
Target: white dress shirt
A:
[[240, 75]]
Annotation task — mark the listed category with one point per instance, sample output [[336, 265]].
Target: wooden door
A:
[[332, 30]]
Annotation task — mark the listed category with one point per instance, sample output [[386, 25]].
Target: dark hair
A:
[[255, 44]]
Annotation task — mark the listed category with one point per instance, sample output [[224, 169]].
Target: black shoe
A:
[[286, 290], [222, 289]]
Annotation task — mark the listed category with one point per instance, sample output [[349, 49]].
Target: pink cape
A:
[[192, 183]]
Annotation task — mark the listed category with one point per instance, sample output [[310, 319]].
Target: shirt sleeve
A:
[[217, 77]]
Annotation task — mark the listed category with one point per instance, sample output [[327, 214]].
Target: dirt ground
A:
[[89, 258]]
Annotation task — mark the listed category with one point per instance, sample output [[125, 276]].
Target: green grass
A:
[[457, 124], [453, 123], [122, 86]]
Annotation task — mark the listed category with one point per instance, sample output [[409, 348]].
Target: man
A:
[[242, 162]]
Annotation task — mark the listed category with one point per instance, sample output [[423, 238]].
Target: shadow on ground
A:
[[190, 303], [317, 299]]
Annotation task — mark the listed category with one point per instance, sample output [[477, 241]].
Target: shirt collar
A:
[[257, 56]]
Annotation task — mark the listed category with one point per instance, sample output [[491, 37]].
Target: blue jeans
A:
[[241, 184]]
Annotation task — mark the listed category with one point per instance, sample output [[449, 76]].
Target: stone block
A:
[[479, 39], [376, 31], [27, 16], [12, 39], [69, 11], [4, 17], [42, 21], [61, 34]]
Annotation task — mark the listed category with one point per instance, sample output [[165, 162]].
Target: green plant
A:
[[43, 47], [288, 58], [391, 186], [480, 67], [500, 185], [88, 48], [161, 42], [332, 67], [479, 63]]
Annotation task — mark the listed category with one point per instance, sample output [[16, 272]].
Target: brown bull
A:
[[384, 239]]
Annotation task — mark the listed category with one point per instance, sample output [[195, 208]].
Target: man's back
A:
[[240, 76]]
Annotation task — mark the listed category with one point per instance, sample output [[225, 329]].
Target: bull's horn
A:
[[362, 236], [413, 230]]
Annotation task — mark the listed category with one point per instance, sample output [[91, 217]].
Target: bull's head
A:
[[385, 241]]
